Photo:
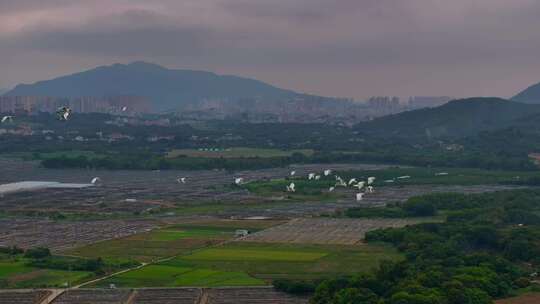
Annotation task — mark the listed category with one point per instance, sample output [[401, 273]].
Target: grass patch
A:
[[156, 244], [11, 268], [255, 254], [16, 274], [292, 261], [173, 235], [50, 278]]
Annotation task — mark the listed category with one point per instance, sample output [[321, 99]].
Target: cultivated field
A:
[[167, 296], [164, 275], [16, 274], [103, 296], [58, 236], [172, 240], [229, 224], [324, 230], [254, 264], [171, 296], [145, 193], [236, 153], [23, 296], [270, 261], [251, 296], [150, 246]]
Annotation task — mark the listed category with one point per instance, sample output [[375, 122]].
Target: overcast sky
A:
[[348, 48]]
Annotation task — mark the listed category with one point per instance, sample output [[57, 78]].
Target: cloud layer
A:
[[350, 48]]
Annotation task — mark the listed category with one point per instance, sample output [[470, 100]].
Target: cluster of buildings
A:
[[384, 105], [415, 102], [418, 102], [383, 102], [305, 109], [36, 104], [299, 109], [302, 108]]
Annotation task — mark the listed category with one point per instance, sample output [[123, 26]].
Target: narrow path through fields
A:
[[147, 264]]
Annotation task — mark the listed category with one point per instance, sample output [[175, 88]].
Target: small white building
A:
[[241, 233]]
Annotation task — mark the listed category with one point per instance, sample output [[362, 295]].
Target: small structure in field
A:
[[241, 233]]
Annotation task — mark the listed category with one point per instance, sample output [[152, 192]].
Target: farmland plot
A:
[[324, 231], [63, 235], [251, 295], [22, 296]]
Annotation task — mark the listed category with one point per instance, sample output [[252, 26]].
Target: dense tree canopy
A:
[[485, 250]]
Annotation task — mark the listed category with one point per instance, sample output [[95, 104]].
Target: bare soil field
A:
[[63, 235], [250, 296], [23, 296], [262, 295], [324, 231], [384, 195], [93, 296], [167, 296]]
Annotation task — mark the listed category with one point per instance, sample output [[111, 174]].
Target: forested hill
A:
[[166, 88], [458, 118]]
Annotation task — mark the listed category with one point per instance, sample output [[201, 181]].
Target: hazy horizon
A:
[[343, 48]]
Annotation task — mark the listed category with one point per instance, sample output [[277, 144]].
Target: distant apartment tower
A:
[[418, 102], [383, 102]]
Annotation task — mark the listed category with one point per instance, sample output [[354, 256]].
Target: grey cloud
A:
[[11, 6], [298, 37]]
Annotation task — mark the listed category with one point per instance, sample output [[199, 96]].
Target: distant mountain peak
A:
[[529, 95], [166, 88], [145, 65]]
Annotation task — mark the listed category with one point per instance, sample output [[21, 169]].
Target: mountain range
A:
[[166, 88], [173, 89], [458, 118]]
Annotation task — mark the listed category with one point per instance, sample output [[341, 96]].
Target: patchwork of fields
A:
[[169, 241], [204, 252], [254, 264], [325, 231]]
